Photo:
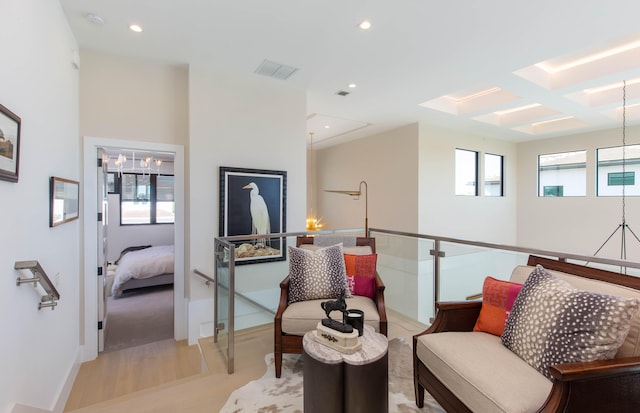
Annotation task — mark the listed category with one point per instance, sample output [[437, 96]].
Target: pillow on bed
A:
[[316, 274]]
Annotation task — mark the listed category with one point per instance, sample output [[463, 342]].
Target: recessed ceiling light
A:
[[365, 25], [352, 85], [135, 28], [327, 126]]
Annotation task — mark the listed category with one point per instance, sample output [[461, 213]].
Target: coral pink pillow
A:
[[361, 274], [497, 299]]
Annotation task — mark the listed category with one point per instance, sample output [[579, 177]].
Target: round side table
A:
[[349, 383]]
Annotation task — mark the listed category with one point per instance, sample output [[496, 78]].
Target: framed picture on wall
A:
[[253, 202], [64, 201], [9, 145]]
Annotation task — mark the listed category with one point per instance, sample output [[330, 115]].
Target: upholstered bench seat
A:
[[482, 373], [570, 344], [303, 316]]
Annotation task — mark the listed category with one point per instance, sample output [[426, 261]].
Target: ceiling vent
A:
[[342, 93], [275, 70]]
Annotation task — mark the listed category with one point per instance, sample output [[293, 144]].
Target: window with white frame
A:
[[613, 174], [562, 174]]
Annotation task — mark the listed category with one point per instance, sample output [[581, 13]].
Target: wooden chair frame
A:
[[287, 343]]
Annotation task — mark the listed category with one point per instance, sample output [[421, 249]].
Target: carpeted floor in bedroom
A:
[[139, 317]]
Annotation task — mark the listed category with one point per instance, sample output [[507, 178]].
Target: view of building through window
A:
[[562, 174], [146, 199], [493, 175], [613, 175]]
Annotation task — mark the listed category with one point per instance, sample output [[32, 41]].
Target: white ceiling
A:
[[417, 52]]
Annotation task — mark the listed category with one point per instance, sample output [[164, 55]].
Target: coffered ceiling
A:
[[507, 69]]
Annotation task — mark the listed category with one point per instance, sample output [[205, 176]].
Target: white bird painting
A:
[[260, 223]]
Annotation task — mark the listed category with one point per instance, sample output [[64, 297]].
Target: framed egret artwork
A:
[[253, 202]]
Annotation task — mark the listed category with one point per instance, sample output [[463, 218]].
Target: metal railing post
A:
[[231, 329], [216, 276], [437, 254]]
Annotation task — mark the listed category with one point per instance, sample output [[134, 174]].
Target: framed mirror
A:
[[64, 196]]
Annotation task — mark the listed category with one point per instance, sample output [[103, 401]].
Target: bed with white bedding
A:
[[143, 268]]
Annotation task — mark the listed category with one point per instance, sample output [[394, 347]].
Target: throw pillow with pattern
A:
[[316, 274], [552, 322], [498, 297], [361, 274]]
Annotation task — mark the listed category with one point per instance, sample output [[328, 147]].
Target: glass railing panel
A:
[[416, 269], [257, 282], [464, 268], [406, 268]]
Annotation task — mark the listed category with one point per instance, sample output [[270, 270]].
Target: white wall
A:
[[128, 98], [388, 162], [442, 212], [136, 104], [575, 224], [411, 177], [38, 83], [239, 121]]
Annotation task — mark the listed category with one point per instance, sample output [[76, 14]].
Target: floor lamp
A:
[[357, 195]]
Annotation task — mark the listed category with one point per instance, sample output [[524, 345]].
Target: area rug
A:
[[139, 317], [284, 395]]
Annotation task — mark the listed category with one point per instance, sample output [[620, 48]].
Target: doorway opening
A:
[[93, 255], [138, 245]]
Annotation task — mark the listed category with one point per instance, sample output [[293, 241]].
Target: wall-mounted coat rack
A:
[[50, 299]]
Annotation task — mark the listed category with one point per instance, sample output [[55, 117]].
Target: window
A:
[[112, 180], [466, 172], [562, 174], [146, 199], [493, 173], [613, 176], [165, 205]]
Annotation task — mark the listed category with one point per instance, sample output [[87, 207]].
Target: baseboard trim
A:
[[65, 391]]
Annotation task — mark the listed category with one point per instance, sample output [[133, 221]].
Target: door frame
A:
[[89, 250]]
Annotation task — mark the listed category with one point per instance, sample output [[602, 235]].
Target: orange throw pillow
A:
[[361, 274], [497, 299]]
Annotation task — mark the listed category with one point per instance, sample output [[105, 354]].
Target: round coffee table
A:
[[349, 383]]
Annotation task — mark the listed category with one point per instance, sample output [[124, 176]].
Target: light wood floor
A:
[[172, 377]]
